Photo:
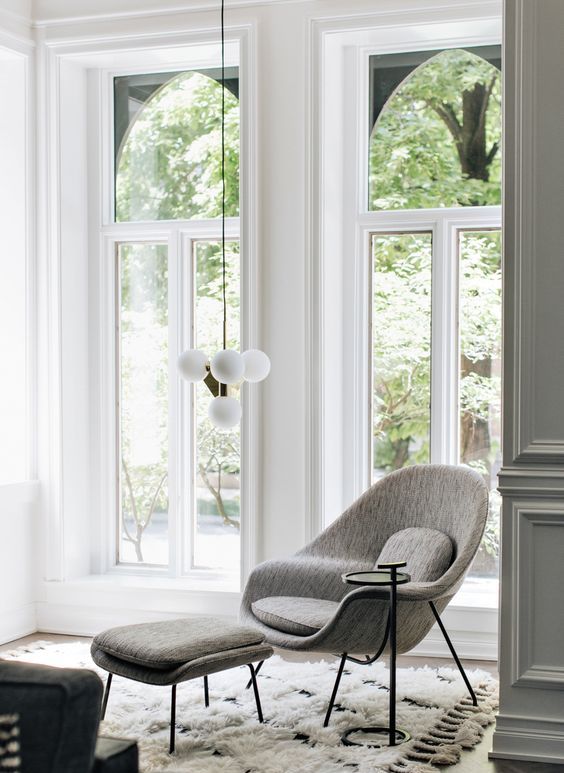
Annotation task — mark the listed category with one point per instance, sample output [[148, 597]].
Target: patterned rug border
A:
[[456, 730]]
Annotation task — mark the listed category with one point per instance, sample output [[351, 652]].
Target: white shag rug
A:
[[432, 705]]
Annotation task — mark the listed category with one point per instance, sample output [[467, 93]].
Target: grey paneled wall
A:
[[531, 718]]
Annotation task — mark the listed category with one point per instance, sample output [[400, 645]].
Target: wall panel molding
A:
[[531, 481], [533, 578]]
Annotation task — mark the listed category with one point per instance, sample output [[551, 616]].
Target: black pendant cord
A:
[[223, 171]]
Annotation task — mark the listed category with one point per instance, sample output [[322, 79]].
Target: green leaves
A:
[[434, 143], [169, 167]]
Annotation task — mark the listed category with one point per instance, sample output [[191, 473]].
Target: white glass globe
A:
[[192, 365], [224, 412], [257, 365], [227, 366]]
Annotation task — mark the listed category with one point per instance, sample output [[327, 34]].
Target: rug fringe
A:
[[462, 727]]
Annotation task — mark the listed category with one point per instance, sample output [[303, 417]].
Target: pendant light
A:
[[226, 366]]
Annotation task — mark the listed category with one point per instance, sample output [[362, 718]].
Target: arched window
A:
[[167, 140], [435, 142], [168, 159]]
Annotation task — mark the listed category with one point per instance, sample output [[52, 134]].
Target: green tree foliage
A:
[[401, 349], [169, 166], [436, 143]]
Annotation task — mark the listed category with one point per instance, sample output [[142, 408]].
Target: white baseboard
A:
[[472, 631], [15, 623], [528, 738]]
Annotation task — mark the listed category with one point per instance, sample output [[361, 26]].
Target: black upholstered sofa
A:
[[53, 715]]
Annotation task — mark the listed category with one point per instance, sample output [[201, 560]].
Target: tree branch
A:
[[448, 116]]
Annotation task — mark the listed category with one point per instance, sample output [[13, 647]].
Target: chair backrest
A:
[[453, 500]]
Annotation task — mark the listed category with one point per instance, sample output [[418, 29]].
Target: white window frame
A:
[[179, 237], [76, 91], [339, 277], [444, 226]]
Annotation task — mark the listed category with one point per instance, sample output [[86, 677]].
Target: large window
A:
[[434, 186], [178, 503]]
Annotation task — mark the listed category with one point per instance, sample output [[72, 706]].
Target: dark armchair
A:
[[55, 713]]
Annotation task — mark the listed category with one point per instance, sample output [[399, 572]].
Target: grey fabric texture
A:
[[450, 499], [291, 614], [203, 666], [169, 643], [428, 552]]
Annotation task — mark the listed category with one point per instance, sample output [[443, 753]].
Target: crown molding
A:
[[45, 15], [15, 30], [43, 18]]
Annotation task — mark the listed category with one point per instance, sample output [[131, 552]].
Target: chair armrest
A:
[[308, 576]]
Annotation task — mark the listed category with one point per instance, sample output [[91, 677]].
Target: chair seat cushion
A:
[[169, 643], [428, 552], [297, 615]]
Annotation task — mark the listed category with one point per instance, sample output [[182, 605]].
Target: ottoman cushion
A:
[[168, 644]]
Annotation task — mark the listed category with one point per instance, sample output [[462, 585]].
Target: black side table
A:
[[387, 576]]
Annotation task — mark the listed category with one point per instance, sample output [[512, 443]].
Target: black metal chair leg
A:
[[255, 688], [453, 653], [172, 719], [257, 669], [335, 688], [106, 695], [206, 692]]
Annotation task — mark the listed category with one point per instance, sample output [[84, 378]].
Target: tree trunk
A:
[[475, 161], [217, 497], [475, 441]]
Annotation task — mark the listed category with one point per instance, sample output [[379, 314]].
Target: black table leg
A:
[[172, 719], [393, 647]]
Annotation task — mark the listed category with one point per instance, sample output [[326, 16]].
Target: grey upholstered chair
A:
[[432, 516]]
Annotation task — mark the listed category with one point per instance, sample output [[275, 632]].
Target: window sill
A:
[[197, 582], [477, 593]]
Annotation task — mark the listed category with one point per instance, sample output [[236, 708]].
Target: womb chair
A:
[[431, 516]]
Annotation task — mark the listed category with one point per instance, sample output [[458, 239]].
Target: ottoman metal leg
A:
[[255, 688], [206, 692], [106, 695], [257, 669], [172, 719]]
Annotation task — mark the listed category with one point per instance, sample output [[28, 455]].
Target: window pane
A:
[[168, 145], [216, 533], [401, 342], [480, 374], [143, 409], [435, 129]]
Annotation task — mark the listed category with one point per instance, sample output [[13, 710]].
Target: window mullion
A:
[[444, 347], [174, 414]]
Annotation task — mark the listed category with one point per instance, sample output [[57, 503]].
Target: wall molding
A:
[[16, 31], [528, 738], [528, 516]]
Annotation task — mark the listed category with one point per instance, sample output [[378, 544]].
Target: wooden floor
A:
[[473, 761]]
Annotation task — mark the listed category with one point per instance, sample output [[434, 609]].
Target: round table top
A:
[[376, 577]]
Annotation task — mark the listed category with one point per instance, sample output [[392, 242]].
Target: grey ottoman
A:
[[173, 651]]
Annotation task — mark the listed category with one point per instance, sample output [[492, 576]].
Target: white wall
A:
[[18, 565], [18, 515]]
